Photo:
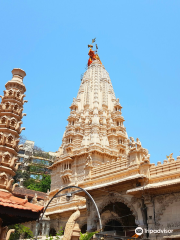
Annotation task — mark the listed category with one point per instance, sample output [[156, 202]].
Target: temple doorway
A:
[[118, 219]]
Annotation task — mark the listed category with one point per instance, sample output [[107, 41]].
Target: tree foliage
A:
[[87, 235], [20, 174], [20, 232], [43, 185]]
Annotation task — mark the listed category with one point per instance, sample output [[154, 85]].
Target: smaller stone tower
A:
[[11, 108]]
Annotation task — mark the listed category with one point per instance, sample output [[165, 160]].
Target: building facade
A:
[[34, 161], [97, 155]]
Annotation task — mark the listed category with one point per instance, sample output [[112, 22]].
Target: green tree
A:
[[42, 185], [20, 231], [45, 183], [20, 174]]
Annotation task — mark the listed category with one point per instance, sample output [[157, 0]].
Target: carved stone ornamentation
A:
[[71, 226], [10, 127], [118, 198], [102, 159]]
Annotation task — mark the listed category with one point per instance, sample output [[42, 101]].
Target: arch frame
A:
[[118, 198], [68, 187]]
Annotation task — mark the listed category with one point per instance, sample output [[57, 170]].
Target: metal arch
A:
[[99, 217]]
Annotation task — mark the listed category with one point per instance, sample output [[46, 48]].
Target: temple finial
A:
[[93, 54]]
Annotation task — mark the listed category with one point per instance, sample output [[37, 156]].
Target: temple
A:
[[97, 155]]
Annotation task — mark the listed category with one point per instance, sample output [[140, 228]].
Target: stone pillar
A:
[[37, 229], [47, 228], [43, 228], [150, 215], [91, 224]]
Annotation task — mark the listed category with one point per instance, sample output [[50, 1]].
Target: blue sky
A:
[[138, 45]]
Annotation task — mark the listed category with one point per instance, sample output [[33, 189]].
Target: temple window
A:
[[7, 105], [10, 139], [16, 107], [13, 123], [18, 94], [7, 158], [10, 92], [3, 120]]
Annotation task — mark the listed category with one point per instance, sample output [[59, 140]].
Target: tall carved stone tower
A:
[[11, 114], [95, 134]]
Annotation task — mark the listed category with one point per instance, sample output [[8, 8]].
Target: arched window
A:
[[7, 105], [10, 139], [10, 92], [16, 107], [6, 158], [3, 120], [13, 122], [18, 94]]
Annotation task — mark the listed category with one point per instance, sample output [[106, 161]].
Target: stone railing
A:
[[163, 171], [109, 168]]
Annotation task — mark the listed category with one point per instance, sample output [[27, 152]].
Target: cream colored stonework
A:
[[97, 155], [11, 108]]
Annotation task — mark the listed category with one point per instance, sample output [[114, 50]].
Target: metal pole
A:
[[99, 217]]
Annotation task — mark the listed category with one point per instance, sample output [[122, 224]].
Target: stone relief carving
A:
[[173, 225], [165, 201], [70, 225], [89, 160]]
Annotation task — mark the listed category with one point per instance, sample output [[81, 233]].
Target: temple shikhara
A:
[[97, 155]]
